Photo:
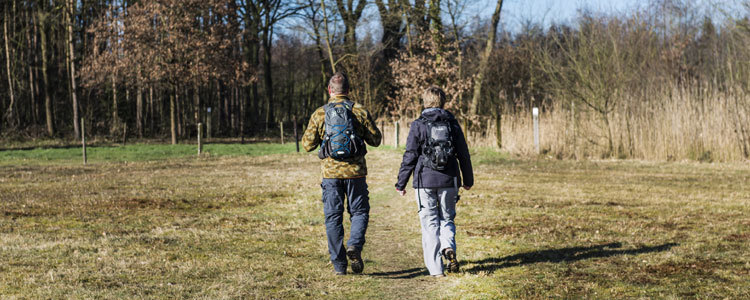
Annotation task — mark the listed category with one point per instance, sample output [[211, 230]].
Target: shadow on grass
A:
[[70, 146], [571, 254], [402, 274]]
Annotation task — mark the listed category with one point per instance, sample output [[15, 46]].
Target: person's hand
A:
[[466, 187], [401, 192]]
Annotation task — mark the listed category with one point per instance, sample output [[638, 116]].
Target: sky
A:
[[516, 13]]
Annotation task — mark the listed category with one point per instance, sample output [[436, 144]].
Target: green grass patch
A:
[[137, 152]]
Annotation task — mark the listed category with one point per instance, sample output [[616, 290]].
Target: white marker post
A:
[[200, 143], [535, 113]]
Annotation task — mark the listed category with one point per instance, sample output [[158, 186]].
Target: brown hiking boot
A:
[[355, 259], [450, 256]]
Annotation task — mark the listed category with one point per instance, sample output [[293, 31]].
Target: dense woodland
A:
[[668, 80]]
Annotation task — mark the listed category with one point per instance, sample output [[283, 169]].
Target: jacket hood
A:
[[437, 114]]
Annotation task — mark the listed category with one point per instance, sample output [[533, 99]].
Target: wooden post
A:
[[208, 123], [296, 137], [535, 113], [124, 133], [83, 142], [499, 129], [395, 137], [573, 125], [467, 132], [200, 143], [281, 127]]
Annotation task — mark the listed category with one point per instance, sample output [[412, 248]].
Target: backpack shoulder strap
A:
[[424, 120], [349, 104]]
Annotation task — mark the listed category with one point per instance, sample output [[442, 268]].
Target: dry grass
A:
[[682, 124], [251, 227]]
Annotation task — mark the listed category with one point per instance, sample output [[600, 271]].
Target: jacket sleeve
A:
[[411, 156], [311, 139], [372, 135], [464, 159]]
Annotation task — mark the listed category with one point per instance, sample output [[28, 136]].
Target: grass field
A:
[[246, 221]]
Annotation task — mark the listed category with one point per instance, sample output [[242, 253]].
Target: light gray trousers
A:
[[438, 209]]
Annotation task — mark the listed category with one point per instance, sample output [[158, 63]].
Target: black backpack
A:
[[340, 140], [438, 146]]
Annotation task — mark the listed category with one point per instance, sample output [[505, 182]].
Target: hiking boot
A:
[[450, 256], [356, 260]]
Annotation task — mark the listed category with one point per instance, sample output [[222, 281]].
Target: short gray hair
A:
[[339, 84]]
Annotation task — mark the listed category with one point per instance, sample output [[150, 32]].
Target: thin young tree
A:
[[484, 60]]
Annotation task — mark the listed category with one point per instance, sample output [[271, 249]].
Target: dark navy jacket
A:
[[425, 177]]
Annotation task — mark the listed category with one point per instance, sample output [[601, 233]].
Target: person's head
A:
[[339, 84], [433, 97]]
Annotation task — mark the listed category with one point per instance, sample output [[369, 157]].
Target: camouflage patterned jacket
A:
[[364, 126]]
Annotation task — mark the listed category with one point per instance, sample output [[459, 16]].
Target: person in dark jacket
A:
[[436, 187]]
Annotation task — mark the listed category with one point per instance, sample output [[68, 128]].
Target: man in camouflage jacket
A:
[[344, 178]]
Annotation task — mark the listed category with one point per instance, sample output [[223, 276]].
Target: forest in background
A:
[[667, 81]]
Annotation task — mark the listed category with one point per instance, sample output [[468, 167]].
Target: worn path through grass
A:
[[251, 226]]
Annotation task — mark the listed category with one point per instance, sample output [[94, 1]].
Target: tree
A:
[[9, 116], [71, 10], [49, 117], [161, 44], [484, 60], [412, 73], [391, 20], [592, 68], [350, 16]]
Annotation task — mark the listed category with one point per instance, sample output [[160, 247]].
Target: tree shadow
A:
[[570, 254], [69, 146]]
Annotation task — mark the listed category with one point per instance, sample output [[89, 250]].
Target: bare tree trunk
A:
[[499, 126], [436, 25], [240, 114], [76, 126], [115, 117], [218, 107], [179, 111], [32, 87], [267, 44], [228, 111], [350, 15], [328, 36], [9, 112], [484, 61], [172, 117], [47, 99], [35, 61], [197, 102], [151, 109], [139, 109]]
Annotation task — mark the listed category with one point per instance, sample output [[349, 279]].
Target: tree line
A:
[[156, 68]]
